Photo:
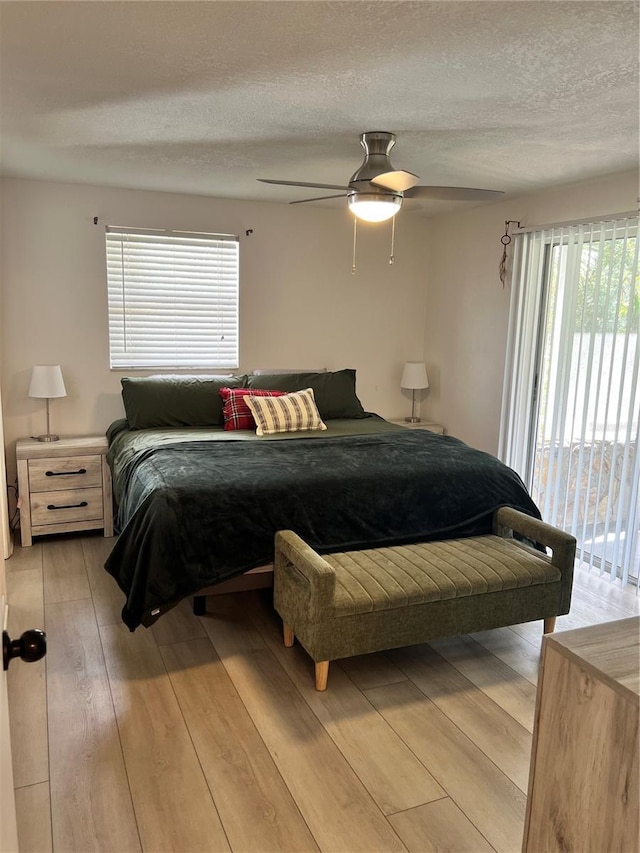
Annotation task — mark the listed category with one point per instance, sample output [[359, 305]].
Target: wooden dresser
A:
[[64, 486], [583, 783]]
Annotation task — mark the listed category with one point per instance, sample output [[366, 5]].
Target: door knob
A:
[[31, 646]]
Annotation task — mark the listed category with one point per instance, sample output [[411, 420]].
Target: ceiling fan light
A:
[[372, 207]]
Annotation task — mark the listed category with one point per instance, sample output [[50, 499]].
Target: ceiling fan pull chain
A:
[[393, 239], [355, 232]]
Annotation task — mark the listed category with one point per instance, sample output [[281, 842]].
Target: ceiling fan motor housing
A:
[[377, 146]]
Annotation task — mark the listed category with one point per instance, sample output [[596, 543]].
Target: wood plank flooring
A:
[[206, 734]]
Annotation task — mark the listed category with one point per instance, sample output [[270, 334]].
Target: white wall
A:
[[300, 305], [468, 309]]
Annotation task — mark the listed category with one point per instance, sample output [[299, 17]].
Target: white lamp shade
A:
[[414, 375], [47, 381]]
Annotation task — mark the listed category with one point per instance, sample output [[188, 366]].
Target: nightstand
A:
[[421, 425], [64, 486]]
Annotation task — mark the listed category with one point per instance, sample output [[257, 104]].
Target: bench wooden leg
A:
[[322, 673], [288, 635], [549, 625]]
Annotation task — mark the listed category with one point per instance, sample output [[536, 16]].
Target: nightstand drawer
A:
[[68, 472], [65, 506]]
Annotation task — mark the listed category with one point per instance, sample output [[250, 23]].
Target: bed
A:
[[198, 504]]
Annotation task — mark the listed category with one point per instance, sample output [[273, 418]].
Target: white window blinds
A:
[[571, 408], [173, 299]]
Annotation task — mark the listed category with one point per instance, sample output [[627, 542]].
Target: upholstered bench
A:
[[355, 602]]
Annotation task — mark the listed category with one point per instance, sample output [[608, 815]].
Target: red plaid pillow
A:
[[236, 412]]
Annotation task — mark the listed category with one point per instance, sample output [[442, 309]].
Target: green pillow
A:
[[334, 392], [175, 401]]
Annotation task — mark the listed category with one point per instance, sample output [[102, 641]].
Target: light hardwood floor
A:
[[206, 734]]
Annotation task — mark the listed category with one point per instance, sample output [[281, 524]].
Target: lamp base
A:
[[48, 437], [412, 420]]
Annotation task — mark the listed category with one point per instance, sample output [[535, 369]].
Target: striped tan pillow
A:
[[289, 413]]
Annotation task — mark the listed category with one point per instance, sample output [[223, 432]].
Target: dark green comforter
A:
[[195, 512]]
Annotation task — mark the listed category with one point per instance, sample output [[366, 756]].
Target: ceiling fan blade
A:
[[320, 198], [453, 193], [300, 184], [398, 182]]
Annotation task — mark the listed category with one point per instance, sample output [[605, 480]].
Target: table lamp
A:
[[414, 376], [47, 382]]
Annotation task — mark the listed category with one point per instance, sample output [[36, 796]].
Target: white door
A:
[[8, 831]]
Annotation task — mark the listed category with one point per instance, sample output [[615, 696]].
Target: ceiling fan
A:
[[376, 190]]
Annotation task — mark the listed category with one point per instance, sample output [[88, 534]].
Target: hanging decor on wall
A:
[[506, 241]]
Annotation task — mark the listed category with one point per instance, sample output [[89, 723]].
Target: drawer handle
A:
[[65, 473], [68, 506]]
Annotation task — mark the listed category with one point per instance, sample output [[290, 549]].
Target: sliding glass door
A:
[[578, 451]]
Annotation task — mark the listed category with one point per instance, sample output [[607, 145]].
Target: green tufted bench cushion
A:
[[355, 602], [388, 578]]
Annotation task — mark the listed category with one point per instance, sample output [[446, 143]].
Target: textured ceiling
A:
[[205, 97]]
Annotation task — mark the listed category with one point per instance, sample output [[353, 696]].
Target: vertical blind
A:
[[571, 402], [173, 299]]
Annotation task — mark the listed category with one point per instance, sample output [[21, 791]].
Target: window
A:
[[173, 299], [571, 417]]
